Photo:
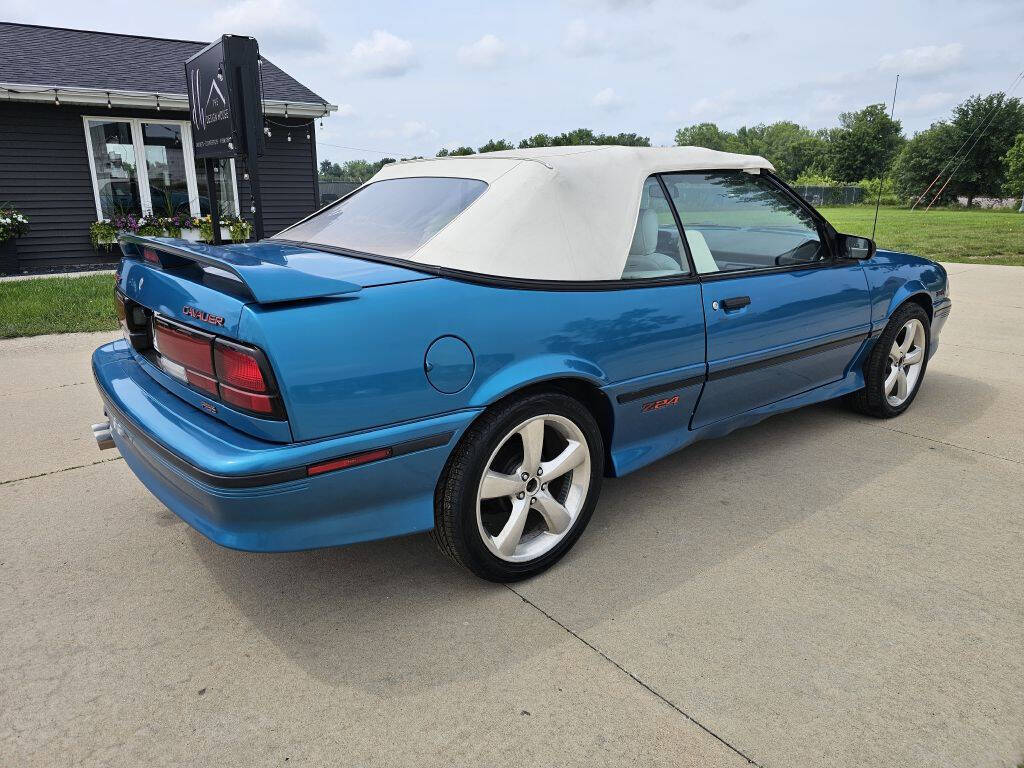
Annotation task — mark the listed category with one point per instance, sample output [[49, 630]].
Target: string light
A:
[[307, 135], [108, 100], [56, 98], [289, 135], [157, 101], [286, 109]]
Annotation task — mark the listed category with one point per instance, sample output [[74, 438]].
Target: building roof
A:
[[554, 213], [74, 58]]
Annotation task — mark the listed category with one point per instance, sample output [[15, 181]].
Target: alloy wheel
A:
[[906, 361], [533, 488]]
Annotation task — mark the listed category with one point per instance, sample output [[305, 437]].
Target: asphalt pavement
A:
[[823, 589]]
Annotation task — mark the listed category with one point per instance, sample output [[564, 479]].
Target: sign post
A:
[[224, 95], [211, 186]]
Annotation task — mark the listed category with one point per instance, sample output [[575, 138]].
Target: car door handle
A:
[[735, 302]]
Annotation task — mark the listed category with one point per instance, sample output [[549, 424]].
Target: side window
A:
[[656, 249], [736, 220]]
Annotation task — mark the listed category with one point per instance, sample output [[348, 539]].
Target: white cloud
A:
[[927, 102], [488, 52], [278, 25], [607, 99], [582, 40], [613, 5], [344, 110], [414, 129], [382, 55], [715, 107], [824, 103], [925, 60]]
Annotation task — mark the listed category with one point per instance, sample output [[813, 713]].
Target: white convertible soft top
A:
[[554, 213]]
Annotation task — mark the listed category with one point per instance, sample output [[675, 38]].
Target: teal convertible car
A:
[[469, 345]]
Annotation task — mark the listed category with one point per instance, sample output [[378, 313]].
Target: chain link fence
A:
[[332, 190], [815, 195]]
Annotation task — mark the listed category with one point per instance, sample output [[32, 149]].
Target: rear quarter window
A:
[[389, 218]]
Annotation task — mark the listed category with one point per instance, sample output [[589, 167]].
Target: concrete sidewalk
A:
[[823, 589]]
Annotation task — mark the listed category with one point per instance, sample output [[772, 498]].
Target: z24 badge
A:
[[655, 405]]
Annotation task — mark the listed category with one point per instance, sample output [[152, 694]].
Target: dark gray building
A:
[[93, 124]]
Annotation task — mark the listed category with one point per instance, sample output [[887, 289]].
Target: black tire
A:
[[456, 531], [871, 400]]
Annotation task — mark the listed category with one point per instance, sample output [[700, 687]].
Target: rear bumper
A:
[[249, 494]]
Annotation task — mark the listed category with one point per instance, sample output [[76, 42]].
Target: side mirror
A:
[[856, 247]]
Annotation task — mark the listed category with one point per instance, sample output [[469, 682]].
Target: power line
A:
[[981, 124], [973, 145], [361, 149]]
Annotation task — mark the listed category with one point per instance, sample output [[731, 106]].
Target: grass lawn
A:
[[57, 305], [974, 236]]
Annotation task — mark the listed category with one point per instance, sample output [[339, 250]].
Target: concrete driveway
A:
[[822, 589]]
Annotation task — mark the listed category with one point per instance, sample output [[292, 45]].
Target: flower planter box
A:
[[194, 235], [225, 234], [9, 257]]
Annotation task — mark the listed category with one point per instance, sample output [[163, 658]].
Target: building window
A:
[[224, 179], [165, 167], [114, 168], [168, 180]]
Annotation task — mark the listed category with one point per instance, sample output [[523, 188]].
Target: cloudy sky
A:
[[410, 77]]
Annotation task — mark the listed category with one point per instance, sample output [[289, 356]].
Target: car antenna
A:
[[878, 200]]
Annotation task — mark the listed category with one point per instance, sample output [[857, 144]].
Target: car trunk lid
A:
[[198, 294], [269, 272]]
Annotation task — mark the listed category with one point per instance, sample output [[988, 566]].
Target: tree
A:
[[971, 147], [329, 170], [1013, 168], [706, 135], [864, 145], [920, 161], [791, 148], [353, 170], [537, 140], [495, 146], [1001, 119], [458, 151], [578, 137], [623, 140]]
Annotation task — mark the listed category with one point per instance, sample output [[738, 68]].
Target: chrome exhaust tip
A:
[[104, 439]]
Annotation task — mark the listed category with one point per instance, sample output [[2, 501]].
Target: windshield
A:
[[389, 218]]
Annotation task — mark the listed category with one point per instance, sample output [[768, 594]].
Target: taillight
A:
[[188, 348], [239, 368], [247, 400], [237, 374]]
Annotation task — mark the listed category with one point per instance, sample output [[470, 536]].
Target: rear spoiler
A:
[[268, 282]]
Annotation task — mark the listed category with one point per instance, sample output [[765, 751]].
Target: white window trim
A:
[[141, 169]]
